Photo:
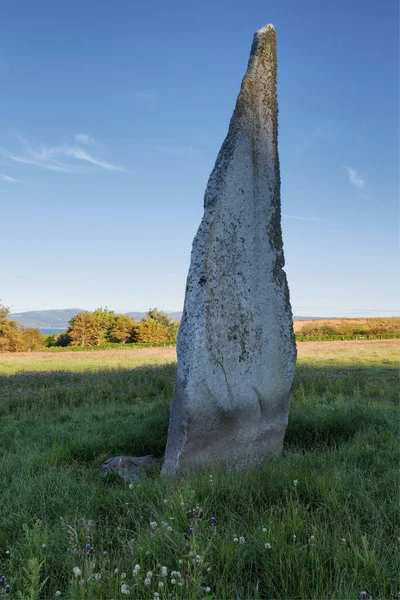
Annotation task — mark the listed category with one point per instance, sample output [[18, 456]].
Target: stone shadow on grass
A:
[[90, 416]]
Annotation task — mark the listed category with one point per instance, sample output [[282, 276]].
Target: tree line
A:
[[96, 328], [104, 326]]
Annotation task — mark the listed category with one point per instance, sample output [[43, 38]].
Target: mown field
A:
[[322, 521]]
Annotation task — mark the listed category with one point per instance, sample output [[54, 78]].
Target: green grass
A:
[[341, 447]]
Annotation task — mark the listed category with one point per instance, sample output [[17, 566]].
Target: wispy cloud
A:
[[147, 96], [67, 159], [85, 138], [7, 178], [355, 178], [82, 155], [300, 218], [176, 150]]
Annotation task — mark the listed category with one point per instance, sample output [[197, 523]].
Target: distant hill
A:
[[58, 318], [46, 319]]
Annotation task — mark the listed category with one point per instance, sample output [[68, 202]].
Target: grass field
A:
[[322, 521]]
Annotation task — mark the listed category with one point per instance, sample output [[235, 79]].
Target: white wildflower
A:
[[241, 540], [149, 574], [268, 546], [295, 482], [147, 582], [180, 561], [156, 595], [160, 585], [164, 571], [44, 545], [97, 576], [123, 575], [173, 581], [7, 552], [209, 570], [136, 568], [116, 571], [207, 590], [153, 524], [312, 538], [148, 553], [294, 538], [77, 572], [165, 501], [125, 589], [264, 530], [169, 528], [58, 594], [235, 539]]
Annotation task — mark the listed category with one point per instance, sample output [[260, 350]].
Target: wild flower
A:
[[156, 595], [164, 571], [207, 590], [209, 570], [97, 576], [235, 539], [264, 530], [116, 571], [57, 594], [173, 581], [149, 574], [295, 482], [165, 501], [153, 525], [8, 552], [294, 537], [160, 585], [169, 528], [147, 582], [123, 575], [77, 572], [136, 569], [125, 589], [44, 545], [105, 553], [241, 540], [148, 553], [268, 546], [312, 539], [4, 585]]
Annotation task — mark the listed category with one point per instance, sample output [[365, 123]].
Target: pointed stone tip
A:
[[264, 29]]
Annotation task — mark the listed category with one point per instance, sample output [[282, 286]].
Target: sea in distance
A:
[[54, 330]]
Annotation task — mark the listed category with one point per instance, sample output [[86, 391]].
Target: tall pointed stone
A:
[[236, 348]]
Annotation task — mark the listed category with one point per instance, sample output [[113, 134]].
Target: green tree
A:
[[122, 330], [171, 327], [106, 319], [85, 330]]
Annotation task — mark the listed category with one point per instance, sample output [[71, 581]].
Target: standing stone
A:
[[236, 347]]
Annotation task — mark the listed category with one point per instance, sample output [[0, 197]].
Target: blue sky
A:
[[111, 118]]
